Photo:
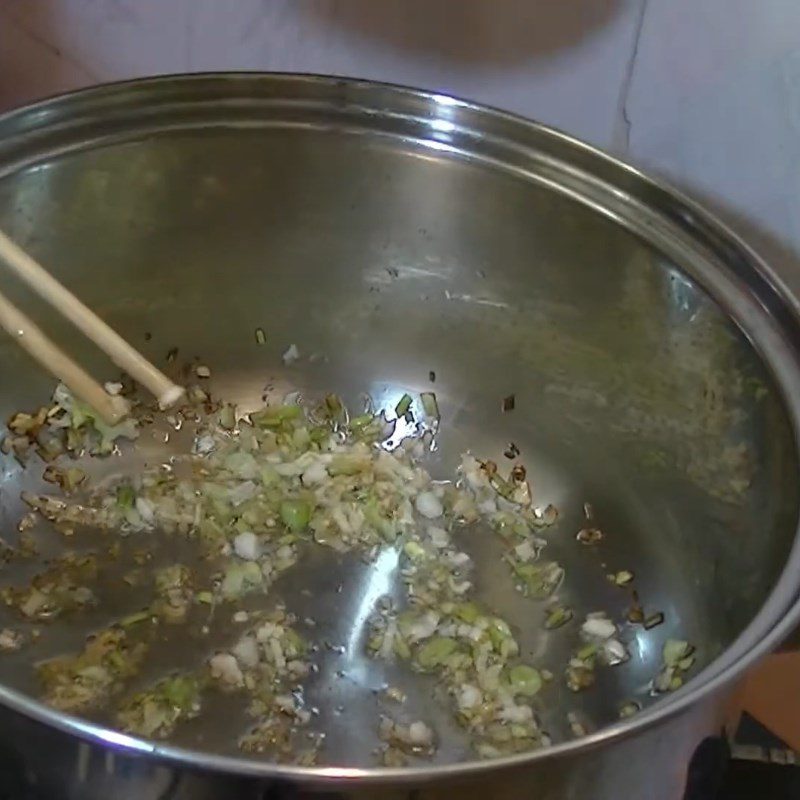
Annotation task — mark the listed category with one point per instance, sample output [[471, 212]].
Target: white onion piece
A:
[[469, 696], [429, 505], [246, 546], [387, 645], [315, 474], [146, 510], [488, 506], [242, 492], [614, 651], [276, 651], [203, 445], [224, 667], [419, 734], [246, 652], [598, 628], [424, 627], [291, 354], [525, 551], [516, 714], [438, 536]]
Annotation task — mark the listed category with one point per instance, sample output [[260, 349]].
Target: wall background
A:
[[706, 92]]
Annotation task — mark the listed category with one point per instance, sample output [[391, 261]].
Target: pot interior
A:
[[384, 257]]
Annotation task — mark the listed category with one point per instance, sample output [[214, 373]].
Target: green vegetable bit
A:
[[401, 648], [403, 405], [136, 618], [227, 417], [467, 612], [413, 550], [499, 632], [334, 408], [276, 416], [587, 653], [156, 713], [525, 680], [360, 422], [436, 651], [349, 464], [629, 709], [295, 514], [675, 650], [125, 497], [557, 617], [241, 578], [181, 691], [429, 405]]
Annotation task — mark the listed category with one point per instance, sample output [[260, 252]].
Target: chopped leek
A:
[[435, 651], [429, 405], [403, 405], [525, 680], [295, 514]]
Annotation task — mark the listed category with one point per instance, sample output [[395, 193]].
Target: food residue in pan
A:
[[255, 492]]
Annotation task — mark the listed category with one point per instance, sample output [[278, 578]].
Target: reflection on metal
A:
[[444, 102], [84, 753], [379, 583], [684, 295], [478, 301]]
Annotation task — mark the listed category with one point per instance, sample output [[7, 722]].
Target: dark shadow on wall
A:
[[470, 33], [32, 63]]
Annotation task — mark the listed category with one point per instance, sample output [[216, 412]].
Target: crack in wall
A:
[[48, 46], [621, 137]]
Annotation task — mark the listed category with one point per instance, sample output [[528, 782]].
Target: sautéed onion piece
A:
[[254, 491]]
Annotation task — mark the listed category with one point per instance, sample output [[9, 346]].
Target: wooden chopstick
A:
[[109, 341], [56, 361]]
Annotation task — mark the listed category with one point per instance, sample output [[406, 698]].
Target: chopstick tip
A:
[[171, 396]]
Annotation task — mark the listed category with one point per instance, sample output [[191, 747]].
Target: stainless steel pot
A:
[[390, 232]]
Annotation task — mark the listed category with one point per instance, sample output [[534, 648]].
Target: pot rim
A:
[[755, 291]]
